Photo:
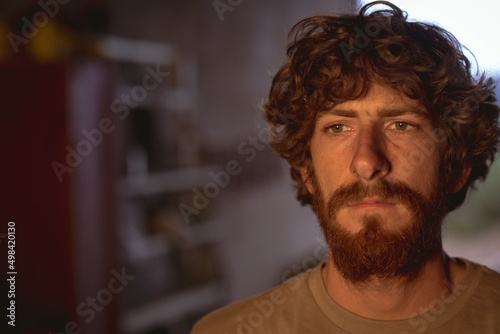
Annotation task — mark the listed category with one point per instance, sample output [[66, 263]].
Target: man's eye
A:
[[337, 128], [401, 126]]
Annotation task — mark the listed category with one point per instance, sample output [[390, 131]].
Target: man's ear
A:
[[306, 178], [457, 184]]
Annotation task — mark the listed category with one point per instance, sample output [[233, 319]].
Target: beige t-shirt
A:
[[302, 305]]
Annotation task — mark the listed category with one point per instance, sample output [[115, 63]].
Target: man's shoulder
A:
[[254, 312], [490, 274], [475, 304], [490, 282], [489, 278]]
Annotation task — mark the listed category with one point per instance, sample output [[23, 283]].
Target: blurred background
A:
[[136, 164]]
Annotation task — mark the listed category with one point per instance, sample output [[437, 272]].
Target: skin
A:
[[375, 137]]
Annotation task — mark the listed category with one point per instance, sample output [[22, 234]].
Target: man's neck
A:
[[396, 299]]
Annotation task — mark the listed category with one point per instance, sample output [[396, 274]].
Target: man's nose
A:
[[370, 161]]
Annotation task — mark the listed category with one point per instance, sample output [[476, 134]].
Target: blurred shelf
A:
[[168, 310], [147, 248], [151, 246], [159, 183], [135, 51]]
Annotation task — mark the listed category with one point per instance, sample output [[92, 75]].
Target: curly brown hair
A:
[[332, 59]]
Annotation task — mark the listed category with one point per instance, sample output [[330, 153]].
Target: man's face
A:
[[376, 185]]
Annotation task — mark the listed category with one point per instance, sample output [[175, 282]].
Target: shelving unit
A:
[[176, 265], [155, 184]]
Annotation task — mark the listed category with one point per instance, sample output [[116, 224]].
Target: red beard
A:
[[375, 252]]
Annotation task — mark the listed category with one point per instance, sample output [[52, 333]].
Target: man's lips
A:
[[371, 203]]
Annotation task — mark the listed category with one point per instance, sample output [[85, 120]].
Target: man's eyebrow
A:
[[405, 111], [340, 112], [383, 113]]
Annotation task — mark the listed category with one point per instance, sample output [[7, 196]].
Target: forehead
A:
[[379, 101]]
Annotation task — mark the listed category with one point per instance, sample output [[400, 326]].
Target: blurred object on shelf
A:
[[52, 42], [194, 249], [199, 264], [188, 140], [39, 36], [169, 224], [48, 36]]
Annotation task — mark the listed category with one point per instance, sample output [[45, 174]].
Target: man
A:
[[385, 130]]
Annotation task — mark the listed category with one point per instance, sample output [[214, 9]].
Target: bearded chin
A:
[[375, 252]]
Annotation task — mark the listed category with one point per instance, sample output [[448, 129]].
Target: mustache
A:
[[357, 191]]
